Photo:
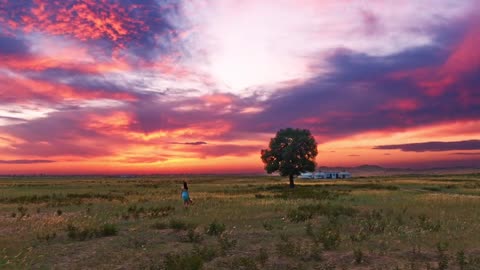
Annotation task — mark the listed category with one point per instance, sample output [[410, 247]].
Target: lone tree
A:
[[291, 152]]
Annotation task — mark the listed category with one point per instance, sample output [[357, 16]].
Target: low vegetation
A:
[[394, 222]]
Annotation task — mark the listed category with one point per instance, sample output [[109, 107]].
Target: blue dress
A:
[[185, 195]]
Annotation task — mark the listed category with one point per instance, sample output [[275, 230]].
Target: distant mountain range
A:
[[372, 170]]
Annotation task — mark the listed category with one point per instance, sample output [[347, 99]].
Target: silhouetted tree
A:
[[291, 152]]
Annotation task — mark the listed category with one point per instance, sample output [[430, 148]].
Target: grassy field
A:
[[397, 222]]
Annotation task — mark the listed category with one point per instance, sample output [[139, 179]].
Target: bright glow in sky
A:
[[200, 86]]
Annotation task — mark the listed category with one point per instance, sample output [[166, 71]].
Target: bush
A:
[[206, 253], [183, 262], [427, 224], [160, 226], [180, 225], [109, 230], [299, 216], [358, 255], [328, 235], [267, 226], [22, 210], [245, 263], [306, 212], [79, 234], [442, 256], [215, 228], [193, 236], [226, 243], [288, 248]]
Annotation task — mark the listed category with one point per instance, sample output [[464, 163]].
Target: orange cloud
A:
[[84, 20]]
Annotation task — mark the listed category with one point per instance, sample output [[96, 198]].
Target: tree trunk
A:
[[292, 184]]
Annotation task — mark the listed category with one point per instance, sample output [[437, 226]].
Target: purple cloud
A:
[[26, 161], [433, 146]]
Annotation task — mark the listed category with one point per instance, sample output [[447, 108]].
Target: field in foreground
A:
[[397, 222]]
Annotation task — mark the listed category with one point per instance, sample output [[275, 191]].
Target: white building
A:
[[306, 175], [325, 175]]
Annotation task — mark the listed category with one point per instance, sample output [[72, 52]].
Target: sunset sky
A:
[[186, 86]]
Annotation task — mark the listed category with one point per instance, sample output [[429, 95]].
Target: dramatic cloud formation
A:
[[177, 86], [25, 161], [435, 146]]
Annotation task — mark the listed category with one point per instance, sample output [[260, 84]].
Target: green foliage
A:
[[358, 256], [461, 259], [306, 212], [61, 199], [226, 244], [160, 226], [306, 192], [215, 228], [291, 152], [151, 212], [328, 235], [179, 225], [427, 224], [244, 263], [207, 253], [288, 248], [442, 256], [299, 216], [267, 226], [190, 261], [82, 234], [193, 236], [109, 230]]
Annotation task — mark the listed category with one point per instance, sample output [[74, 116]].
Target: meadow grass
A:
[[257, 222]]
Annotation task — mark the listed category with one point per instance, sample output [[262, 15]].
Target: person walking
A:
[[186, 195]]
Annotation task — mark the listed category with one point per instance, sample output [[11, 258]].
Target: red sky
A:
[[201, 86]]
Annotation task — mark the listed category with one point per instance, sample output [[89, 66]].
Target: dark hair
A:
[[185, 185]]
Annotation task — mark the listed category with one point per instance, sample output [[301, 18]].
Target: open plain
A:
[[240, 222]]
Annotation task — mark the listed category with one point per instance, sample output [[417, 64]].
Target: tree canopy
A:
[[291, 152]]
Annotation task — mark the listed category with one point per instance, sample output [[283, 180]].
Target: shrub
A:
[[442, 256], [328, 235], [260, 196], [193, 236], [179, 225], [109, 230], [59, 212], [215, 228], [288, 248], [206, 253], [373, 222], [159, 226], [427, 224], [299, 216], [79, 234], [245, 263], [305, 212], [267, 226], [190, 261], [358, 255], [22, 210], [226, 243], [46, 237], [461, 260], [309, 192]]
